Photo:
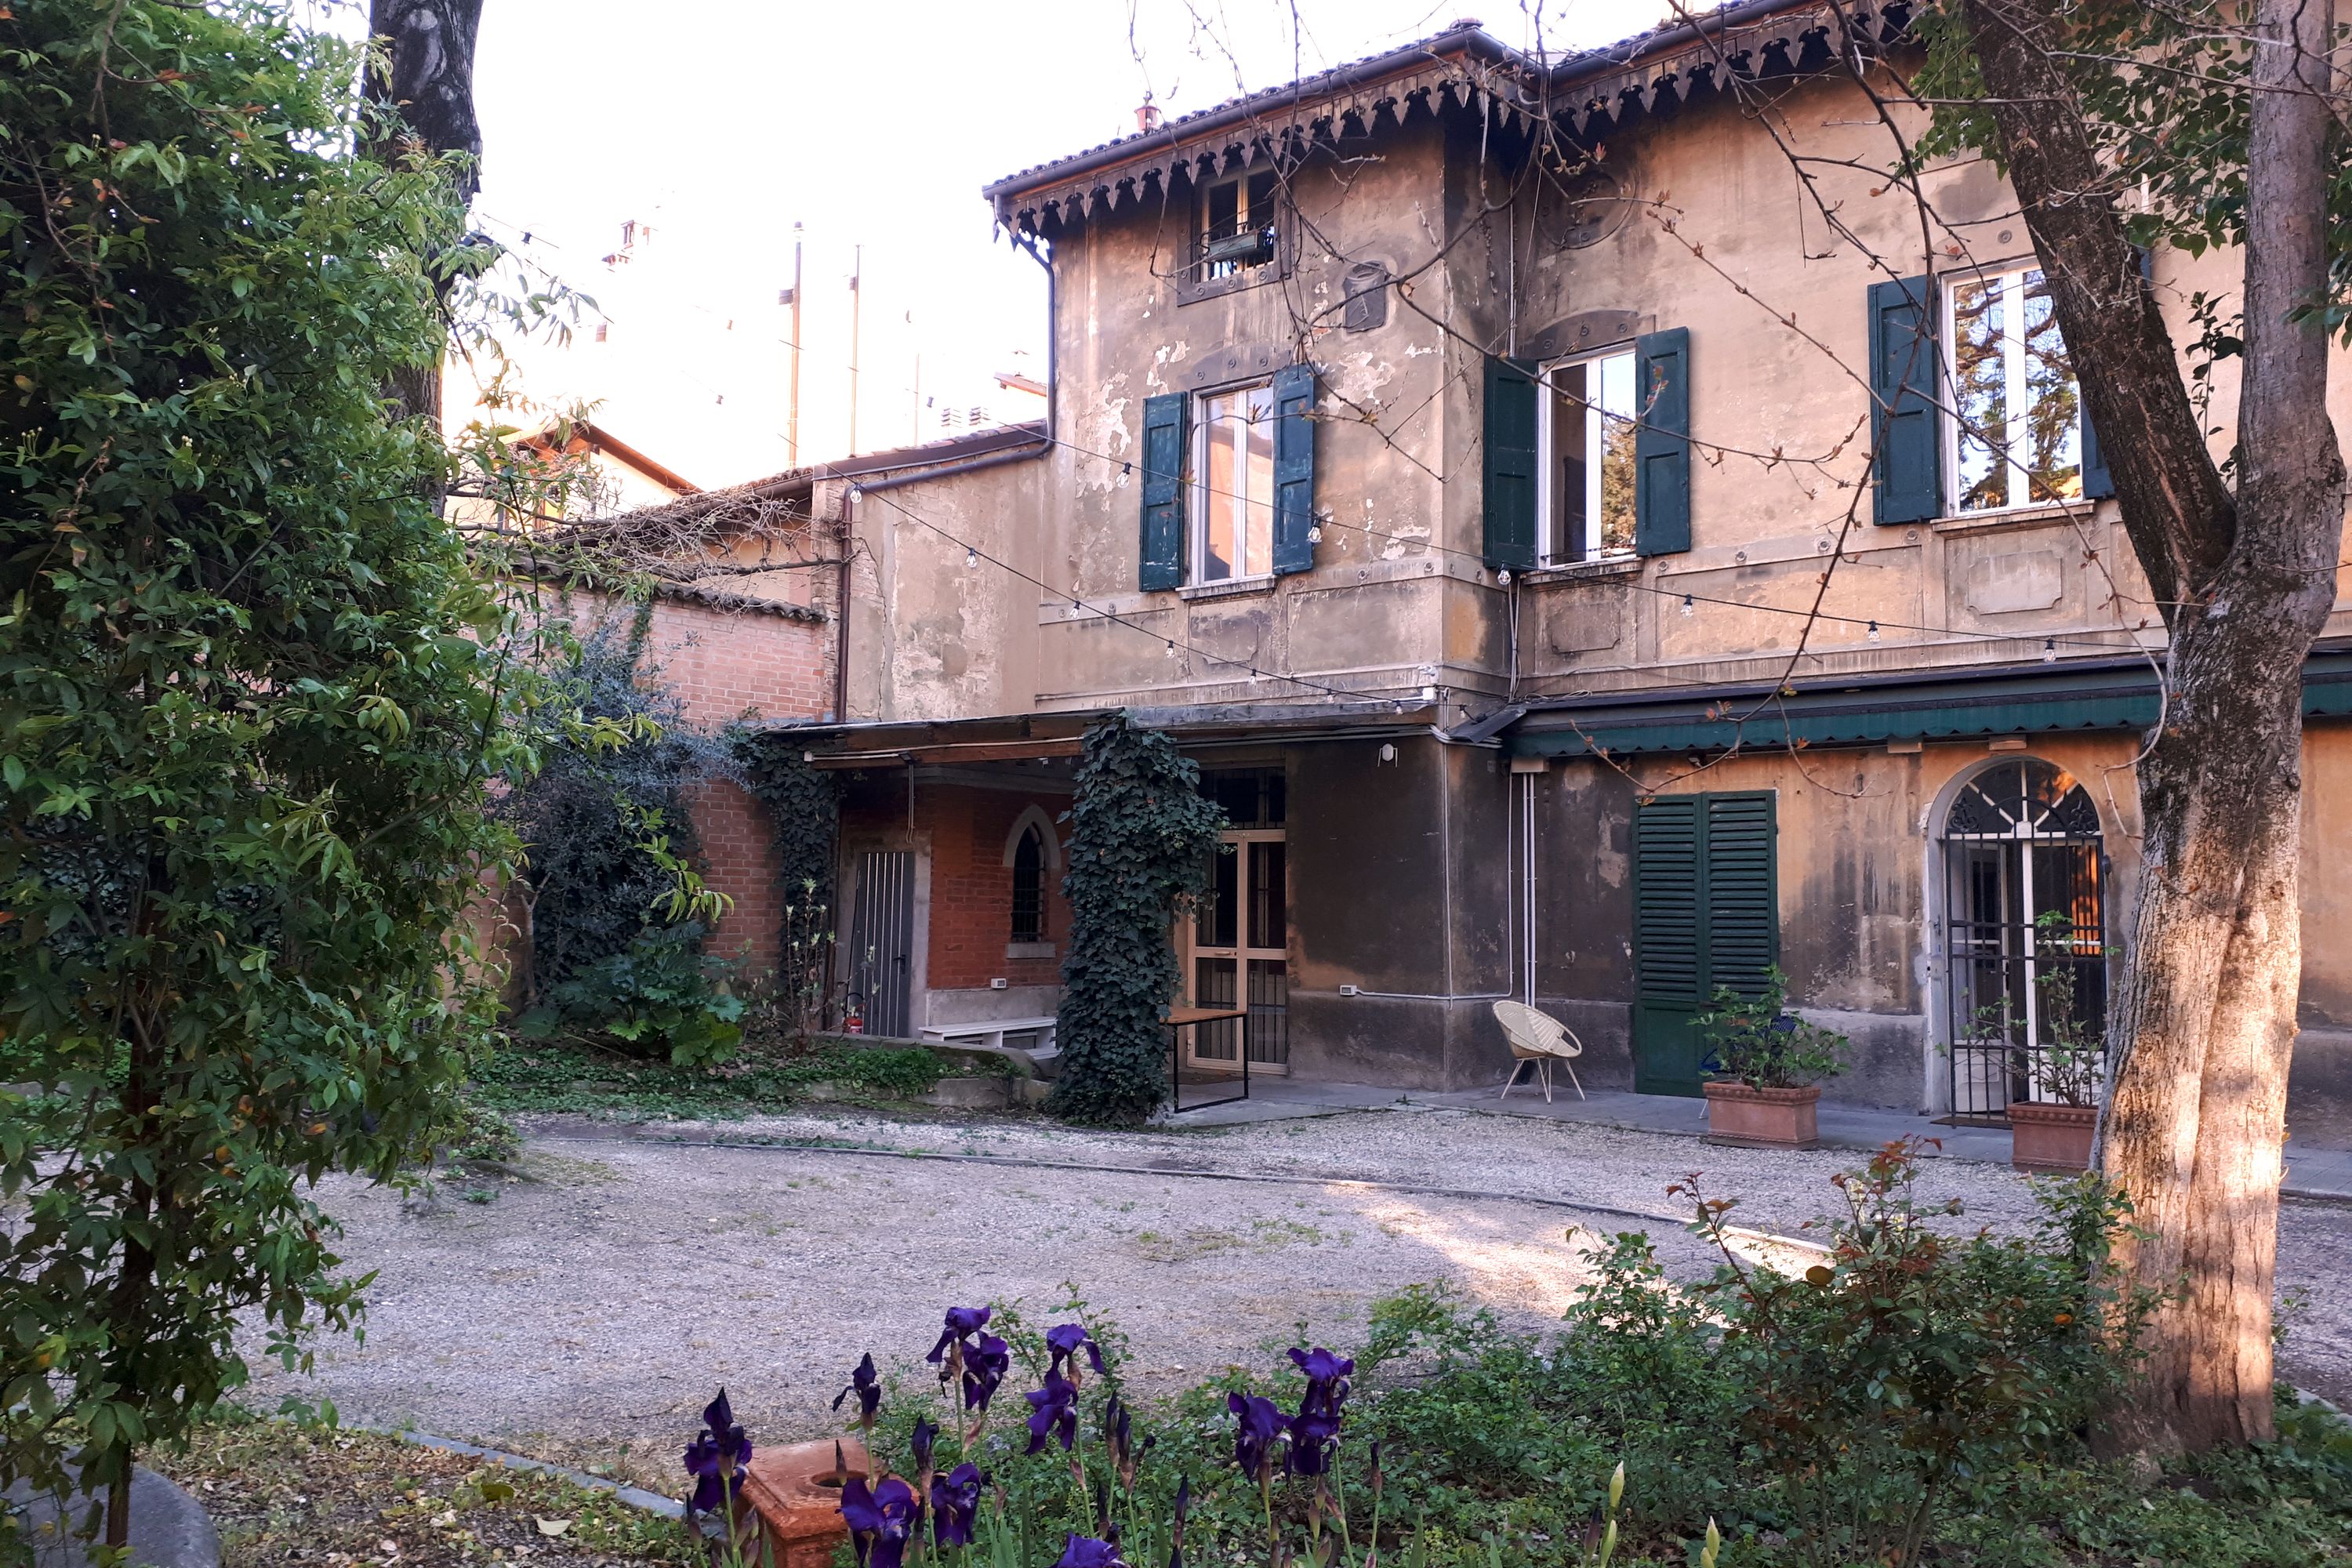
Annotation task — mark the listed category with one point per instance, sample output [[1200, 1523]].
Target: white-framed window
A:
[[1586, 417], [1235, 224], [2017, 437], [1232, 510]]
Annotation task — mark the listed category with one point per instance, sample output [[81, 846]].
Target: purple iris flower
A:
[[925, 1435], [866, 1383], [1327, 1381], [1052, 1406], [881, 1521], [984, 1366], [1183, 1506], [962, 1322], [1085, 1552], [1258, 1421], [1067, 1341], [1314, 1438], [955, 1504], [720, 1450]]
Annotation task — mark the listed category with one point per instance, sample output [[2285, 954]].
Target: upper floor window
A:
[[1029, 886], [1232, 484], [1235, 224], [1586, 430], [2016, 436]]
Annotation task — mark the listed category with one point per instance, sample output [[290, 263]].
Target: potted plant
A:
[[2052, 1129], [1764, 1073]]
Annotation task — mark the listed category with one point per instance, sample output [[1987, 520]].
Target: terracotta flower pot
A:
[[1763, 1117], [2050, 1137], [796, 1492]]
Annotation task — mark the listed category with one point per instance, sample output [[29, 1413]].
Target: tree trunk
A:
[[2204, 1026], [431, 86]]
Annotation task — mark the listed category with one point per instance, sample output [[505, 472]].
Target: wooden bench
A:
[[991, 1032]]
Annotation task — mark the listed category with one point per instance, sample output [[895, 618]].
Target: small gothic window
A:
[[1029, 886]]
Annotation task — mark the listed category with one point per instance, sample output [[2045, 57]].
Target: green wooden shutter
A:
[[1668, 959], [1904, 369], [1705, 913], [1294, 469], [1510, 466], [1164, 492], [1661, 443], [1743, 915]]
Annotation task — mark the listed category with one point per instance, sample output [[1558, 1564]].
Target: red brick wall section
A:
[[724, 665], [971, 888], [727, 665], [738, 859]]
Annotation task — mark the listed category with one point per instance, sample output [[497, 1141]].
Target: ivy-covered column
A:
[[1139, 848], [804, 809]]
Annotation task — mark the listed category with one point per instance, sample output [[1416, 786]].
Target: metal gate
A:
[[2025, 941], [882, 940]]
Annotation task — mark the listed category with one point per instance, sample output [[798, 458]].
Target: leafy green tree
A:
[[1139, 848], [252, 699]]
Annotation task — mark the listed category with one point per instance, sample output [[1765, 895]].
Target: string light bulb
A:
[[1689, 609], [970, 556], [855, 494], [1172, 647], [1315, 534], [2049, 650], [1503, 577], [1874, 631]]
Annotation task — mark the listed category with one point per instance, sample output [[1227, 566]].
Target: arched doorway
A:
[[2024, 900]]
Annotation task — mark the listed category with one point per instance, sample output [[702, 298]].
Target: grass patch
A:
[[283, 1493], [563, 1075]]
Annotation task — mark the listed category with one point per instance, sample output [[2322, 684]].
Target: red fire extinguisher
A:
[[854, 1022]]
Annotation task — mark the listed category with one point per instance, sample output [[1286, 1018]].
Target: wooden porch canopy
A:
[[888, 744]]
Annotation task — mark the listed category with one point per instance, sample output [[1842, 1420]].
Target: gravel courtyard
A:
[[587, 1310]]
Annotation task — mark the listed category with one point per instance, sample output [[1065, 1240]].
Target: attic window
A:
[[1236, 225]]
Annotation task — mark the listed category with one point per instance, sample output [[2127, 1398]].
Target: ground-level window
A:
[[2026, 940], [1238, 943], [1029, 886], [1588, 418], [1232, 484], [2017, 437]]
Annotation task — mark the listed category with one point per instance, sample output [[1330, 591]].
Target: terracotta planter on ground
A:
[[796, 1492], [1763, 1117], [2050, 1137]]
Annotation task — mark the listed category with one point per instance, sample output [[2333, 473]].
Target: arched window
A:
[[2024, 897], [1029, 886]]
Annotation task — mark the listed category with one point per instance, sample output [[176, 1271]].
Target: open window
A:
[[1234, 225], [1228, 482], [1585, 422], [1232, 485], [2016, 437]]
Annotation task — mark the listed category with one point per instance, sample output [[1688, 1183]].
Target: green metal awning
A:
[[2072, 696]]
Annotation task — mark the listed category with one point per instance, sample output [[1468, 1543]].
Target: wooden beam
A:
[[951, 752]]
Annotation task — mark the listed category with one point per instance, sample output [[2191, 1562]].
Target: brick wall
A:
[[970, 918], [971, 887], [725, 665]]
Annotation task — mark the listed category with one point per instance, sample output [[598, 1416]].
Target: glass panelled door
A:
[[1237, 941], [2025, 941]]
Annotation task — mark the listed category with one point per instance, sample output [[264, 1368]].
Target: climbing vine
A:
[[1141, 839], [803, 815]]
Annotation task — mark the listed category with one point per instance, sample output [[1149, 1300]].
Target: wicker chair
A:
[[1540, 1038]]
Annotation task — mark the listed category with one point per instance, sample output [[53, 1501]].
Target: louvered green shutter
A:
[[1743, 916], [1705, 913], [1510, 466], [1164, 492], [1908, 474], [1661, 443], [1294, 469]]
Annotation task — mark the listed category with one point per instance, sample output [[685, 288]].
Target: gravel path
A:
[[593, 1303]]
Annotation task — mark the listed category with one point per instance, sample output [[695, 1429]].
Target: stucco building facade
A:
[[1594, 555]]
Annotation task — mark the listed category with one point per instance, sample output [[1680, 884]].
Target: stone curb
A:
[[636, 1497]]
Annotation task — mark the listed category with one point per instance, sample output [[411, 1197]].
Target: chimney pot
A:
[[1147, 115]]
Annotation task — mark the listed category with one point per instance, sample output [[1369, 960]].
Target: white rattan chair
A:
[[1540, 1038]]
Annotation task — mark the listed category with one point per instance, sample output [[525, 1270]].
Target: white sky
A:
[[719, 123]]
